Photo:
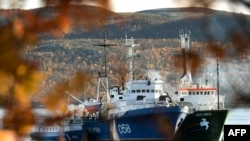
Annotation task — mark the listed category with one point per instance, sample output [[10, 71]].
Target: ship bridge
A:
[[150, 89], [202, 98], [139, 90]]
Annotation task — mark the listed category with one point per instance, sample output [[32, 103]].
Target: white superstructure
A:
[[147, 89], [196, 96]]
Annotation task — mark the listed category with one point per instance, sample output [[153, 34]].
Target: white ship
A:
[[207, 113]]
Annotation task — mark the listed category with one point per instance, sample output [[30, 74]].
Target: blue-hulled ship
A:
[[136, 120], [138, 110]]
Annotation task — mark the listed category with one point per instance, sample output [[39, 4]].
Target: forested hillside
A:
[[66, 57], [157, 32]]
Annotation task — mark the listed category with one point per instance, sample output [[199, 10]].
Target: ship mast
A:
[[218, 84], [186, 79], [130, 45], [102, 76]]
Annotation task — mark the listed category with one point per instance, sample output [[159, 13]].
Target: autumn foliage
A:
[[20, 78]]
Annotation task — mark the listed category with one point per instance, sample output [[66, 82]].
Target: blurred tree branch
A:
[[19, 77]]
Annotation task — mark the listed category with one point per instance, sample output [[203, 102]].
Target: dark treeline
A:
[[205, 24]]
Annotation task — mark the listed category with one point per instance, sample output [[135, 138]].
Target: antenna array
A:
[[185, 38]]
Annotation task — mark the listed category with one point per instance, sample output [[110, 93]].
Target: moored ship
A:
[[139, 110], [207, 113], [71, 129]]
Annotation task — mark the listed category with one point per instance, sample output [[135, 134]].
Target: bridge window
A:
[[156, 91], [184, 93], [152, 91], [201, 92], [143, 91], [133, 91], [138, 91], [189, 93], [197, 93], [147, 90], [193, 93]]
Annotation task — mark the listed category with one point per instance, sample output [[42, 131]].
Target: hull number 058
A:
[[124, 129]]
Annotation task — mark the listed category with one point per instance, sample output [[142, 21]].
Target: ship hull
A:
[[54, 136], [202, 126], [155, 123], [70, 130]]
